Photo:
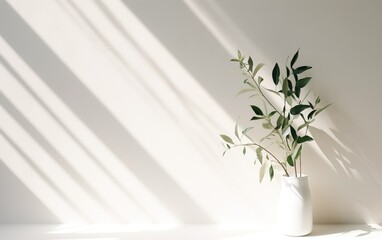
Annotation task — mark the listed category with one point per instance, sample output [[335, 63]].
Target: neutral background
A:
[[110, 111]]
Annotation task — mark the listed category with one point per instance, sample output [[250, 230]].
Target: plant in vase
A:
[[286, 122]]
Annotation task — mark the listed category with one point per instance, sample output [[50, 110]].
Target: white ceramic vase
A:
[[295, 206]]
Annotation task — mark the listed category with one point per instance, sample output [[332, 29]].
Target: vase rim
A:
[[302, 176]]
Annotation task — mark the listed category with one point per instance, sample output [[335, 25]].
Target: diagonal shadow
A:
[[197, 50], [52, 152], [65, 84], [43, 175], [14, 210], [118, 56], [193, 109], [185, 102], [50, 149]]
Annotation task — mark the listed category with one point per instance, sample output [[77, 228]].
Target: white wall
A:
[[111, 110]]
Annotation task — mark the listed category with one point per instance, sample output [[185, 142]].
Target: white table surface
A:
[[186, 232]]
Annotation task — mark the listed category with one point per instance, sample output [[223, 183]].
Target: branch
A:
[[255, 144], [261, 92]]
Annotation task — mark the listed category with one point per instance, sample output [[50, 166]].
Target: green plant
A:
[[286, 126]]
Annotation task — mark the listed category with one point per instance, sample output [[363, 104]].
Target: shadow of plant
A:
[[354, 230], [354, 166]]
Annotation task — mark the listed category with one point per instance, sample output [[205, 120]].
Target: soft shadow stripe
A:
[[63, 82]]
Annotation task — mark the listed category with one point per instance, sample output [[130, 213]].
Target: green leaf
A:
[[267, 125], [294, 59], [260, 80], [279, 122], [256, 118], [298, 109], [289, 101], [285, 128], [262, 171], [322, 109], [259, 154], [301, 69], [250, 63], [271, 114], [236, 131], [295, 76], [287, 71], [303, 82], [245, 91], [290, 160], [257, 110], [276, 74], [297, 91], [290, 85], [235, 60], [304, 125], [304, 139], [245, 131], [257, 68], [318, 100], [224, 152], [310, 115], [298, 153], [226, 138], [271, 172], [244, 150], [293, 132], [239, 54], [311, 105], [285, 88]]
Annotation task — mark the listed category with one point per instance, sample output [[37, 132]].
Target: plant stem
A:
[[285, 143], [255, 144], [261, 92], [281, 138], [300, 165], [286, 140], [306, 132]]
